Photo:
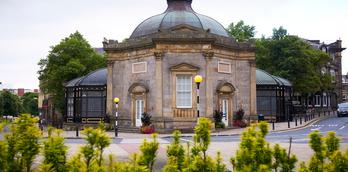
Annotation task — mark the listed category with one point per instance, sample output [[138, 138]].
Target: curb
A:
[[302, 126], [233, 134]]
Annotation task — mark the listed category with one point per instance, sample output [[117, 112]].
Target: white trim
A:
[[144, 71], [225, 63]]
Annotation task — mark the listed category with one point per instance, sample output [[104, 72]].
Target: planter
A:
[[239, 123], [147, 129]]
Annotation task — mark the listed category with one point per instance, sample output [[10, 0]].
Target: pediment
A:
[[184, 67], [185, 28]]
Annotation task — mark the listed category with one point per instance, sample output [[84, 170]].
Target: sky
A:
[[28, 28]]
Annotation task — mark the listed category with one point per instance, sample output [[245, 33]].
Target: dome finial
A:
[[179, 5]]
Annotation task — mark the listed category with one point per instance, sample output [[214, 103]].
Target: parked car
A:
[[342, 109]]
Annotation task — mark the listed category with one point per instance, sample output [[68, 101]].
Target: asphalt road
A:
[[338, 125]]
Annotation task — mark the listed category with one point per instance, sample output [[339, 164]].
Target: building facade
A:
[[345, 88], [334, 69], [153, 70]]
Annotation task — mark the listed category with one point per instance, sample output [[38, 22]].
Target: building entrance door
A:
[[139, 110], [225, 111]]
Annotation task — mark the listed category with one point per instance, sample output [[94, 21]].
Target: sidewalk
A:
[[278, 127]]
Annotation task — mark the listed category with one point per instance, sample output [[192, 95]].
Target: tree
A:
[[279, 33], [30, 104], [10, 103], [71, 58], [240, 31], [294, 59]]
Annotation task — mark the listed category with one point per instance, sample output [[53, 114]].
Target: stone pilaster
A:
[[209, 90], [159, 86], [252, 87], [109, 95]]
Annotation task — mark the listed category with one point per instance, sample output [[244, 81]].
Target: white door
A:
[[139, 110], [225, 111]]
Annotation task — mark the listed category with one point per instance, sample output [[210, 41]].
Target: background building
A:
[[345, 88], [334, 68]]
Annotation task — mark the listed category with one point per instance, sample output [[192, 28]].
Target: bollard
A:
[[273, 127], [77, 131], [295, 120], [301, 120]]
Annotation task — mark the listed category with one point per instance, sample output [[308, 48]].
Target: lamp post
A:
[[198, 79], [116, 101]]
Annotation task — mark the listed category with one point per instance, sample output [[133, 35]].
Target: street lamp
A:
[[116, 101], [198, 79]]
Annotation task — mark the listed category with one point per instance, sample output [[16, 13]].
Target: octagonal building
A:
[[153, 70]]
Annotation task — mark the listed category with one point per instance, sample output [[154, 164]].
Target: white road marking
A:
[[341, 127]]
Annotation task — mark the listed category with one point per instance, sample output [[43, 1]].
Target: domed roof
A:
[[179, 12], [95, 78], [264, 78]]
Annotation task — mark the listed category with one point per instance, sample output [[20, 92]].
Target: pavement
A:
[[278, 127]]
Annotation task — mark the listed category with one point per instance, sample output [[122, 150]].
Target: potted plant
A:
[[238, 121], [147, 127], [218, 115]]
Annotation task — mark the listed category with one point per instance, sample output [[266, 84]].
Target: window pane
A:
[[184, 91]]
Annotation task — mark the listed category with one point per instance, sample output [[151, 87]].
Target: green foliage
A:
[[30, 103], [281, 160], [175, 154], [10, 104], [92, 153], [292, 58], [327, 157], [255, 153], [240, 31], [22, 143], [54, 152], [146, 119], [198, 160], [279, 33], [71, 58], [148, 152], [220, 166], [218, 116]]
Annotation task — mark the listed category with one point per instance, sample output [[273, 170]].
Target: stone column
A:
[[209, 90], [252, 87], [159, 88], [109, 95]]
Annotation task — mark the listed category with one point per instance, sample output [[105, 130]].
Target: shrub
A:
[[327, 156], [218, 116], [148, 152], [146, 119], [54, 152]]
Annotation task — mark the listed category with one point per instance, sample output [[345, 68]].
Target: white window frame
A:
[[324, 100], [317, 101], [144, 71], [225, 63], [176, 92]]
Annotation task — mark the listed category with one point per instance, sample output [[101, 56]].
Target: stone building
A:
[[153, 70], [330, 99], [345, 88]]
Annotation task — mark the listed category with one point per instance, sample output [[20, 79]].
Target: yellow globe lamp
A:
[[198, 79], [116, 100]]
